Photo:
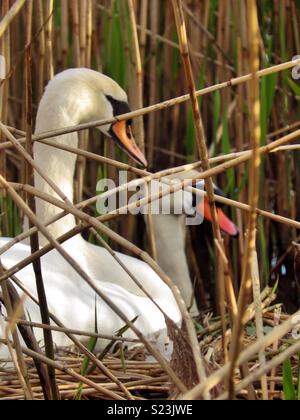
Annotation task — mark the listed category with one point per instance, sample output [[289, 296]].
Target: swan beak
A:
[[224, 222], [123, 135]]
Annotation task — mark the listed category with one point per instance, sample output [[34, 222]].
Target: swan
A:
[[72, 97], [170, 232]]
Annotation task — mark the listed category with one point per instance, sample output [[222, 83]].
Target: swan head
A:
[[203, 208], [194, 207], [116, 103], [82, 95]]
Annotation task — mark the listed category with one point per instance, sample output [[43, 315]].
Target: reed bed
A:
[[213, 86]]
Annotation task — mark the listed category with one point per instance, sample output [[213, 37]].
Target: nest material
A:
[[147, 380]]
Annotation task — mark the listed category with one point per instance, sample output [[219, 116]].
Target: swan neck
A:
[[59, 166], [170, 238]]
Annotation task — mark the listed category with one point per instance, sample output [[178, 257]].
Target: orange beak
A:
[[224, 222], [123, 135]]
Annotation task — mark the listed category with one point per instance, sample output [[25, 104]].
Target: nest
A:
[[146, 380]]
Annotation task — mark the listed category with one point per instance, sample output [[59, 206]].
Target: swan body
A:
[[73, 301], [73, 97]]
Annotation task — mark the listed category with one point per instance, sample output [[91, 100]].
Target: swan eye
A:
[[119, 107]]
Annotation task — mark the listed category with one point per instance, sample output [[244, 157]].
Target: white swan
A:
[[170, 234], [72, 97]]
